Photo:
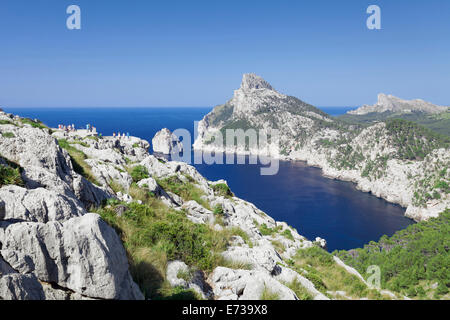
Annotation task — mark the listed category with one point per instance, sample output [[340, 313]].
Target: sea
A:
[[299, 195]]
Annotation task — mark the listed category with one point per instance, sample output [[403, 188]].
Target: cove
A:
[[313, 204]]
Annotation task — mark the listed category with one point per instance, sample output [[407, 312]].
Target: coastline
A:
[[378, 189]]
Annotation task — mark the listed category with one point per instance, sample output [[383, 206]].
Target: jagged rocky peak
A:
[[252, 81], [389, 103]]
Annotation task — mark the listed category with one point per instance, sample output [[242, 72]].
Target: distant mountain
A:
[[389, 103], [436, 118], [395, 159]]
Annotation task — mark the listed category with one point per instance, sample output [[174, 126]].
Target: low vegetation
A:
[[154, 234], [138, 173], [414, 262], [319, 267], [8, 135], [10, 173], [77, 158], [412, 141], [268, 294], [187, 191], [34, 124], [221, 189]]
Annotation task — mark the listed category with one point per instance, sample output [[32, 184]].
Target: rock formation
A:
[[393, 104], [165, 142], [51, 247]]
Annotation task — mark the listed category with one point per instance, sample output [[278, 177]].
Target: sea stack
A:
[[165, 142]]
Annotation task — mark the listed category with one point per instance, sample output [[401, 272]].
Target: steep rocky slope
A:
[[181, 232], [396, 160]]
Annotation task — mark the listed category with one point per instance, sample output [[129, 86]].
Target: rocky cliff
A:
[[51, 247], [396, 160]]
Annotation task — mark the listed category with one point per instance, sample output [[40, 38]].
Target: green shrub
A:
[[187, 191], [153, 234], [221, 189], [218, 210], [139, 173], [288, 234], [77, 158], [34, 124], [266, 231], [419, 254], [10, 175], [8, 135]]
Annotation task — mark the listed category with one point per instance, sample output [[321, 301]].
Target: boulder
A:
[[37, 205], [229, 284], [195, 278], [82, 254]]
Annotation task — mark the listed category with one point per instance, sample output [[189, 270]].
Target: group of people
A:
[[90, 128], [119, 135], [70, 127]]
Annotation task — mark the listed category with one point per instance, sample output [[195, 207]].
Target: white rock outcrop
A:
[[50, 246], [165, 142]]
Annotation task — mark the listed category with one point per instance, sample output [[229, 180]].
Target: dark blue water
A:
[[299, 195]]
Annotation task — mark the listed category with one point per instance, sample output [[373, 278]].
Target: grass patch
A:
[[221, 189], [7, 122], [139, 173], [266, 231], [235, 265], [187, 191], [10, 174], [34, 124], [326, 275], [278, 246], [77, 158], [288, 234], [267, 294], [8, 135], [154, 234], [299, 290]]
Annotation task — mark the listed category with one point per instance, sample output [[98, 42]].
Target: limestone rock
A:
[[37, 205], [82, 254], [231, 284], [165, 142], [194, 278], [197, 213]]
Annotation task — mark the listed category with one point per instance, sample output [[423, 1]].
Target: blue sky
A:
[[193, 53]]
